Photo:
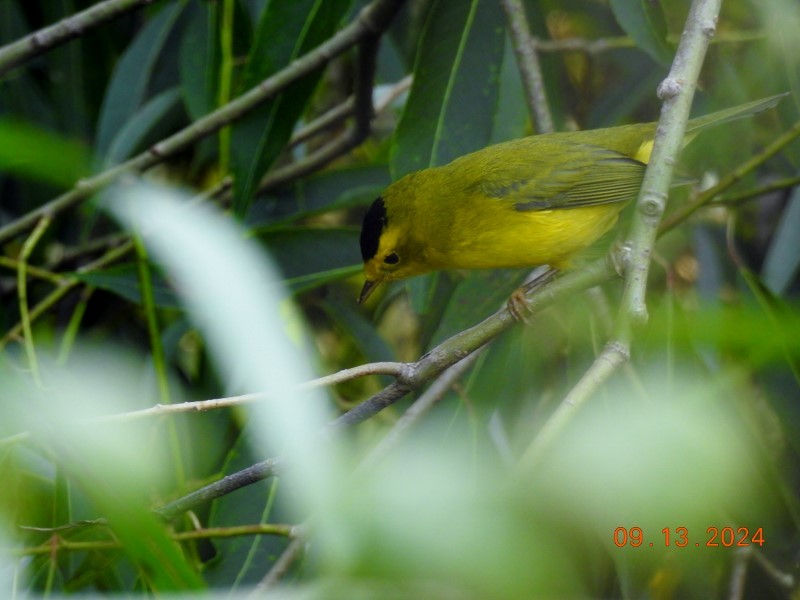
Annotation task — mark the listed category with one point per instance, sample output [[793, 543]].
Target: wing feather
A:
[[585, 175]]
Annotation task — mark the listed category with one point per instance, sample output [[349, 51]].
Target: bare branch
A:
[[529, 68], [19, 52]]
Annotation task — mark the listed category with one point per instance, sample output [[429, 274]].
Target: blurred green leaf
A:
[[452, 104], [783, 256], [644, 22], [781, 318], [112, 464], [782, 20], [287, 30], [128, 87], [123, 281], [32, 153]]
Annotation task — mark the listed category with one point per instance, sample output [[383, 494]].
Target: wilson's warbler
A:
[[535, 201]]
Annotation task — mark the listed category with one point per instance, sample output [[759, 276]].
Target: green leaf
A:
[[129, 84], [304, 251], [150, 123], [32, 153], [782, 319], [451, 108], [429, 296], [783, 256], [644, 22], [123, 281], [303, 283], [512, 115], [361, 330], [330, 190], [21, 93], [199, 61], [241, 560], [287, 30], [477, 296]]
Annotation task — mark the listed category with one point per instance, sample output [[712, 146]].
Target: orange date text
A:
[[714, 537]]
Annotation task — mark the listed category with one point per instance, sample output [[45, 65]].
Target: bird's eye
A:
[[392, 259]]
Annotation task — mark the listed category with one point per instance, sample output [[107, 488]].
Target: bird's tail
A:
[[732, 114]]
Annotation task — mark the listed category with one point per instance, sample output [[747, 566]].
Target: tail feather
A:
[[734, 113]]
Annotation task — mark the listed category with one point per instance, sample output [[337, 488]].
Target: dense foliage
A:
[[151, 162]]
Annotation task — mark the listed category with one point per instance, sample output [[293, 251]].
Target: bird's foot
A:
[[518, 304], [619, 256]]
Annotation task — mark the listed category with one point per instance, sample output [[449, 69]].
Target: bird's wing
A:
[[585, 175]]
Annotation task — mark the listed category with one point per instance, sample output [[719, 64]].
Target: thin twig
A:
[[393, 369], [421, 406], [279, 568], [340, 112], [64, 288], [380, 368], [221, 487], [777, 185], [22, 293], [59, 544], [529, 67], [738, 578], [19, 52], [612, 43], [685, 211], [785, 580], [37, 272]]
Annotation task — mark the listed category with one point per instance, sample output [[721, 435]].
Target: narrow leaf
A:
[[199, 61], [123, 281], [128, 87], [143, 125], [451, 108], [783, 256], [287, 30], [644, 22]]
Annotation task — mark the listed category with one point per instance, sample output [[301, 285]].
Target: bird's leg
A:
[[518, 302], [619, 256]]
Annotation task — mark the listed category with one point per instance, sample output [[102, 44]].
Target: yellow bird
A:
[[539, 200]]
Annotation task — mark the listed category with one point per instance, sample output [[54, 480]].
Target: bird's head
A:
[[387, 248]]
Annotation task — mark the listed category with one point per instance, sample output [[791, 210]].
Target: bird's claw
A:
[[518, 304]]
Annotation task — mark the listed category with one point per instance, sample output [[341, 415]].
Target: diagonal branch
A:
[[19, 52], [529, 67]]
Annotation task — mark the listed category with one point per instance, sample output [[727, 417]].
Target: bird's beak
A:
[[369, 287]]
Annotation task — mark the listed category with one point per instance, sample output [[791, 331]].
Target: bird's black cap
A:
[[375, 222]]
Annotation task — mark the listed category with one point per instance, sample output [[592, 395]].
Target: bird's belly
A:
[[527, 239]]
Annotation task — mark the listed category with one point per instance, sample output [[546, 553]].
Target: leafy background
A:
[[699, 430]]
